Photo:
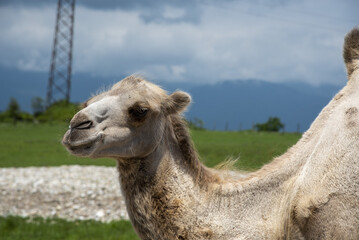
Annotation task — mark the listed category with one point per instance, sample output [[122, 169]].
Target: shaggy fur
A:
[[351, 51], [310, 192]]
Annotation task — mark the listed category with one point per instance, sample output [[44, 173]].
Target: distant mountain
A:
[[232, 105], [237, 105]]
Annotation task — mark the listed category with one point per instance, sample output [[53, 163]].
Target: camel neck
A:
[[150, 186], [172, 188], [164, 184]]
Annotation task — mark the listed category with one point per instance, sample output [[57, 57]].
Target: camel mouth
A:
[[81, 147]]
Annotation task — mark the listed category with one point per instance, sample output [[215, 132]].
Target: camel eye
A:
[[138, 113], [141, 112]]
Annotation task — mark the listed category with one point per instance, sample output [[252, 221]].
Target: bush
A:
[[60, 111], [272, 125], [5, 117], [196, 124], [26, 117], [37, 105], [13, 110]]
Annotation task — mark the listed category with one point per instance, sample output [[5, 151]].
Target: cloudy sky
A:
[[193, 41]]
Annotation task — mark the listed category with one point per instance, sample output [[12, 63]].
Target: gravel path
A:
[[70, 192]]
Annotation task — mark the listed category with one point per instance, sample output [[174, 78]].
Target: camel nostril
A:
[[83, 125]]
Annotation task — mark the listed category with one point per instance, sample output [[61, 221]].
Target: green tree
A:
[[196, 124], [13, 110], [37, 105], [60, 111], [273, 124]]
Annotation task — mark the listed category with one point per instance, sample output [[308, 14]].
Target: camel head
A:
[[128, 121]]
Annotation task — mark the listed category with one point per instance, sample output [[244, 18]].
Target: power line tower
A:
[[59, 83]]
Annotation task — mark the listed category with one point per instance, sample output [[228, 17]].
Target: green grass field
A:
[[26, 145], [253, 148], [12, 228]]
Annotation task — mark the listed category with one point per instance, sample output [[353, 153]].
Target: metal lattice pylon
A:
[[59, 84]]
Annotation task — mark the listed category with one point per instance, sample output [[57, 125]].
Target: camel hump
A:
[[351, 51]]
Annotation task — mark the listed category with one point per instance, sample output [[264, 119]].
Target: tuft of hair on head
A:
[[351, 51], [177, 102]]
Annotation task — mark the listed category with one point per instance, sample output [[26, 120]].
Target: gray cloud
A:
[[187, 40], [158, 11], [109, 4]]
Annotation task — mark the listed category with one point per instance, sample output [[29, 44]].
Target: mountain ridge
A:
[[226, 105]]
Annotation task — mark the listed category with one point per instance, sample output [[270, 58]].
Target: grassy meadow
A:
[[13, 227], [26, 145]]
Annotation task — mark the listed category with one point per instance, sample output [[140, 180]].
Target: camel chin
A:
[[82, 147]]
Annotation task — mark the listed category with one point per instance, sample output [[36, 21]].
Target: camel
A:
[[310, 192]]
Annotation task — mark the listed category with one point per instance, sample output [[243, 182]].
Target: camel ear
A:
[[351, 51], [177, 102]]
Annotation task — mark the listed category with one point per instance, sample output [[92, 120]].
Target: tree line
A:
[[63, 111], [60, 111]]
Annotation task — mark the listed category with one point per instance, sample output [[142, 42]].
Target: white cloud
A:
[[232, 40], [26, 37]]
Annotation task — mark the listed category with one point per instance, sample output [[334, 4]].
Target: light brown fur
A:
[[310, 192]]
